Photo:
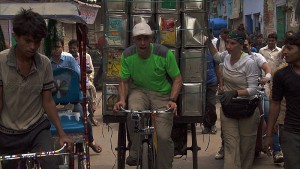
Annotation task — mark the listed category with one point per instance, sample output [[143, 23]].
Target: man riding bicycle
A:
[[146, 71], [26, 81]]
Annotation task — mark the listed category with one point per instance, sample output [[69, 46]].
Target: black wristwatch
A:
[[172, 100]]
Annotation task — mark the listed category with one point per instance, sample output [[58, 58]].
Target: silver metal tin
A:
[[116, 30], [110, 97], [168, 33], [193, 5], [193, 65], [112, 64], [116, 6], [192, 99], [168, 6], [194, 29], [142, 6]]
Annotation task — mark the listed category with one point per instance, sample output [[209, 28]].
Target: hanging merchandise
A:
[[116, 30], [113, 63], [169, 26], [110, 98]]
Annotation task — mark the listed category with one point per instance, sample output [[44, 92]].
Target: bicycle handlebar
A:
[[33, 155], [145, 111]]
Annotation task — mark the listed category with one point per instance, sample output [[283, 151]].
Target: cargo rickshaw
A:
[[165, 20]]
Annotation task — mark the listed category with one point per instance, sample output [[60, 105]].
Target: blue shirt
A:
[[211, 71], [66, 61]]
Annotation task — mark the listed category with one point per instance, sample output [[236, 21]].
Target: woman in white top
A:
[[240, 77]]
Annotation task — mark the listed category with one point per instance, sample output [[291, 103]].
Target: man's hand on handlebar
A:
[[172, 106], [118, 106]]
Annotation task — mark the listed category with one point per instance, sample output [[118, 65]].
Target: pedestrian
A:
[[213, 73], [73, 49], [220, 44], [272, 54], [149, 66], [26, 102], [286, 84], [60, 59], [240, 78], [260, 42]]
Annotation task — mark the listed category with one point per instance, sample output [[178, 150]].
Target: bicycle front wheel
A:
[[145, 156]]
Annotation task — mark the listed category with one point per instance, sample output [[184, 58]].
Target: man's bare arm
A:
[[273, 115], [123, 92], [176, 87]]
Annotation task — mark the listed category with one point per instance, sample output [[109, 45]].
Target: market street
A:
[[106, 135]]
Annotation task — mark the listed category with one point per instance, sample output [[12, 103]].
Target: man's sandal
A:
[[96, 148]]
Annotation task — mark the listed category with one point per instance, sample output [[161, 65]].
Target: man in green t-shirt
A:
[[155, 82]]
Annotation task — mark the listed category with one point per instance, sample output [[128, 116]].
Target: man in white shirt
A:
[[222, 40], [271, 54]]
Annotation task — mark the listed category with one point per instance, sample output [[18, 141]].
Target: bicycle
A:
[[260, 133], [145, 127], [31, 159]]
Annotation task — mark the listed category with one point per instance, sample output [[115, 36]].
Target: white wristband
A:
[[268, 75]]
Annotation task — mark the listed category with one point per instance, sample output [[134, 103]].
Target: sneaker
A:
[[278, 157], [205, 130], [213, 129], [220, 154], [131, 161]]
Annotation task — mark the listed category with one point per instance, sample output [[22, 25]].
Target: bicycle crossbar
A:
[[33, 155]]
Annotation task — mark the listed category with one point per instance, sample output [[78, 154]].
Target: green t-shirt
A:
[[153, 73]]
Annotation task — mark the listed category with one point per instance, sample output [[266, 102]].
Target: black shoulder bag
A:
[[240, 108]]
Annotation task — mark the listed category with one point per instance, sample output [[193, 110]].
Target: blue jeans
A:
[[275, 137]]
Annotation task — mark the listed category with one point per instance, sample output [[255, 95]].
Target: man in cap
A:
[[155, 83]]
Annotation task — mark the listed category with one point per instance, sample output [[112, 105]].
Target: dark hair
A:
[[72, 42], [225, 31], [289, 33], [61, 41], [272, 35], [293, 39], [27, 22], [260, 36]]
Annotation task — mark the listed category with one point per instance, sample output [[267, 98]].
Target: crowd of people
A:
[[150, 79]]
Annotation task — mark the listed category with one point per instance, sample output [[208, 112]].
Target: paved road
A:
[[106, 135]]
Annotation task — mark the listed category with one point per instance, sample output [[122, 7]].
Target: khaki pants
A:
[[140, 99], [239, 140]]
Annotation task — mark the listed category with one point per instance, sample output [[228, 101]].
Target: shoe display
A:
[[213, 129], [278, 157], [131, 161], [220, 154], [205, 130]]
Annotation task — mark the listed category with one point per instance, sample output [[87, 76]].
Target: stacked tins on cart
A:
[[193, 57], [115, 28], [179, 25]]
